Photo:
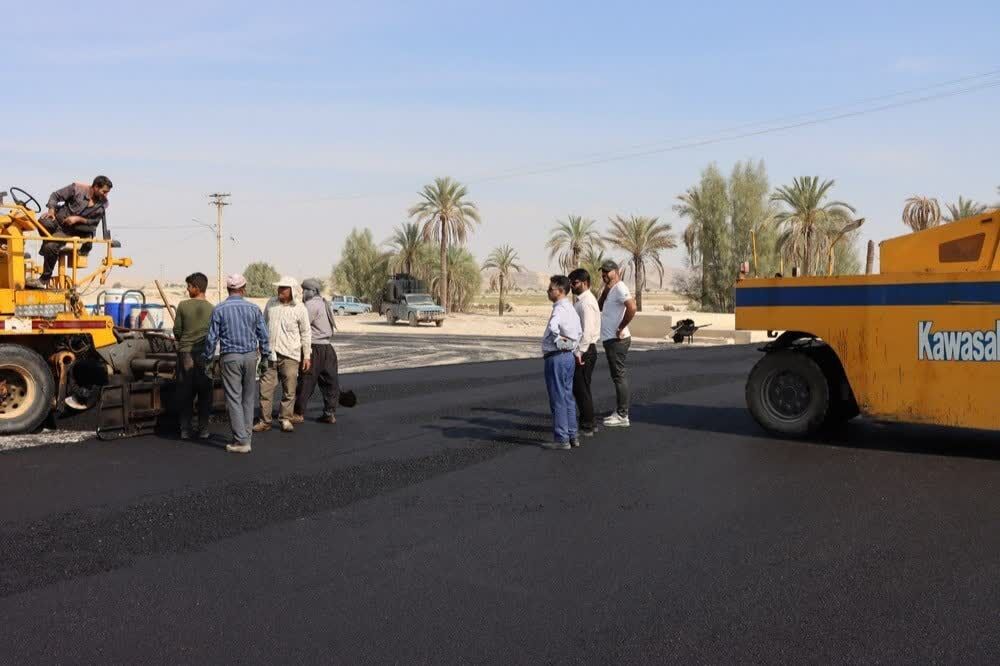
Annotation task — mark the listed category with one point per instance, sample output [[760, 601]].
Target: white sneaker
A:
[[616, 421]]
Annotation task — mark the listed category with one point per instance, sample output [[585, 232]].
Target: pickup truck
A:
[[349, 305], [415, 309]]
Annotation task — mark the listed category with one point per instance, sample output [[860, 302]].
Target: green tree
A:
[[807, 219], [447, 215], [571, 239], [591, 261], [464, 277], [708, 238], [362, 269], [260, 277], [752, 213], [643, 239], [405, 245], [503, 260], [726, 219], [921, 213], [964, 208]]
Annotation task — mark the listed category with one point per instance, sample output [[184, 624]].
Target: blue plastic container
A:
[[119, 303]]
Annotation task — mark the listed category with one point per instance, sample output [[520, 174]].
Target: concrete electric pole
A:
[[219, 200]]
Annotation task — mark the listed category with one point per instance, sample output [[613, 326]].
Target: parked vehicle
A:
[[349, 305], [406, 299]]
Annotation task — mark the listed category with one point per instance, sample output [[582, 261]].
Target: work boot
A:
[[37, 283], [297, 418], [262, 426], [286, 426], [328, 418], [236, 447], [556, 446]]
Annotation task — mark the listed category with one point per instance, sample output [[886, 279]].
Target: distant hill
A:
[[523, 280]]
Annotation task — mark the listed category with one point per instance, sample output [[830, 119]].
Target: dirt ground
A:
[[530, 312]]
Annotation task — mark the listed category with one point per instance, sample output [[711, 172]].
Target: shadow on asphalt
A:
[[508, 428], [857, 434]]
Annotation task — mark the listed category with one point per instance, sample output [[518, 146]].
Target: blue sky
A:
[[319, 117]]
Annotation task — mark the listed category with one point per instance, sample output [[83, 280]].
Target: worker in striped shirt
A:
[[237, 327]]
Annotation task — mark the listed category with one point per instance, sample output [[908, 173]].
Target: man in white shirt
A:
[[590, 318], [617, 310], [560, 343], [291, 348]]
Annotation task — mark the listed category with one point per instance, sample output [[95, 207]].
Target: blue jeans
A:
[[559, 369]]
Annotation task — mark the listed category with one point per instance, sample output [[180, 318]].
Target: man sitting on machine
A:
[[74, 210]]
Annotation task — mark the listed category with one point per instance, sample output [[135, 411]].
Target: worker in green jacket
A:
[[190, 330]]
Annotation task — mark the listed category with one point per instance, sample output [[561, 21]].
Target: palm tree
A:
[[591, 261], [921, 213], [643, 238], [963, 209], [808, 220], [569, 241], [405, 243], [691, 207], [503, 260], [464, 277], [447, 216]]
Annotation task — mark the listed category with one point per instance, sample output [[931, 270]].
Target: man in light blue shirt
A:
[[560, 346], [237, 326]]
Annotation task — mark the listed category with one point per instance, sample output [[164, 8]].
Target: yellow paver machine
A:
[[917, 342], [55, 355]]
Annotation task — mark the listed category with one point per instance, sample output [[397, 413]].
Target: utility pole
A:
[[219, 200]]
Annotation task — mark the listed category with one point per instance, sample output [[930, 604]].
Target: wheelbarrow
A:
[[685, 329]]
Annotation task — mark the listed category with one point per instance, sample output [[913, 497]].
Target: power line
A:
[[163, 227], [772, 121], [743, 135], [219, 201], [770, 127]]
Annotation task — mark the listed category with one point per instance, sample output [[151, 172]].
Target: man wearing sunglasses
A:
[[617, 310]]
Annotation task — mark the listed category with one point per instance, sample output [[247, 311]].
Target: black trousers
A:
[[581, 388], [616, 351], [324, 373], [193, 384], [50, 249]]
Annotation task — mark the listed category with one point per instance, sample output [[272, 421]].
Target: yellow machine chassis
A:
[[919, 342]]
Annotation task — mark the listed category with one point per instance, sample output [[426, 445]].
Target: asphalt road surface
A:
[[359, 352], [427, 526]]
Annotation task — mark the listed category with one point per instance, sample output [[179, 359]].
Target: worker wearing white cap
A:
[[238, 328], [291, 349]]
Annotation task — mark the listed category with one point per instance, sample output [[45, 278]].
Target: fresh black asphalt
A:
[[428, 526]]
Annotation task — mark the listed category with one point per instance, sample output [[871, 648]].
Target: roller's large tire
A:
[[788, 394], [26, 390]]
